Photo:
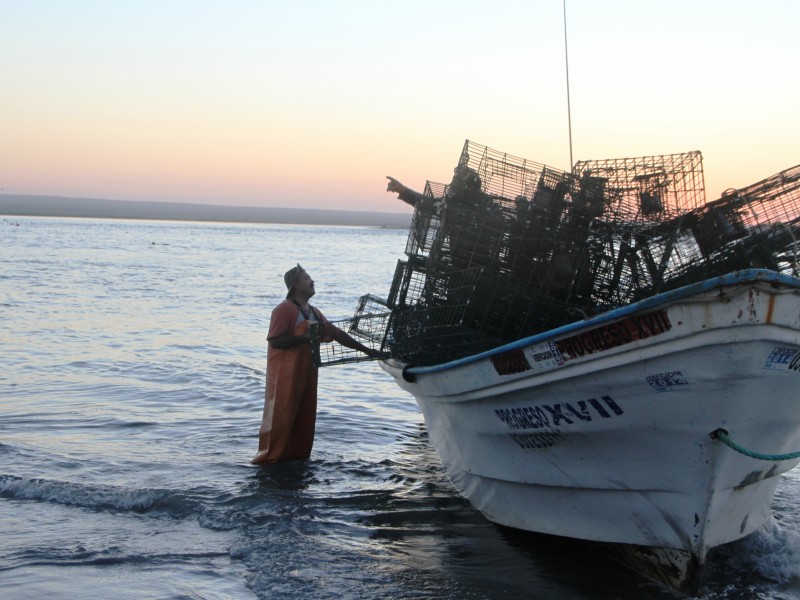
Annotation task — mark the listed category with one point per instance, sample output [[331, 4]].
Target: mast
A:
[[569, 110]]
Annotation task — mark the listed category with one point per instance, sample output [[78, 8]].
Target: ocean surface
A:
[[132, 365]]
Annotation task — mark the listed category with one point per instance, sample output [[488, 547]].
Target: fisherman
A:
[[290, 398]]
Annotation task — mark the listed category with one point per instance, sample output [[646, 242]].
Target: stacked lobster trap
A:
[[510, 248], [754, 227], [633, 244]]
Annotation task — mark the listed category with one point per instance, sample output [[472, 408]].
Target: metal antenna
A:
[[569, 109]]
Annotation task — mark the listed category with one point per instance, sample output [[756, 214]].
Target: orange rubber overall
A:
[[290, 404]]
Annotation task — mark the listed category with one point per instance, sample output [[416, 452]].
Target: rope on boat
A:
[[722, 435]]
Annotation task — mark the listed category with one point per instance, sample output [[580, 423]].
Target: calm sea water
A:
[[132, 364]]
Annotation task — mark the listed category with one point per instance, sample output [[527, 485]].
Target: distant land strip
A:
[[59, 206]]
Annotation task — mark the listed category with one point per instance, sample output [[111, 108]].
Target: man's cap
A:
[[291, 276]]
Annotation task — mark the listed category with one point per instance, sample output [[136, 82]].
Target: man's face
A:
[[304, 284]]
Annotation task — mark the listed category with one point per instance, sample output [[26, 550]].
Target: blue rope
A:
[[722, 435]]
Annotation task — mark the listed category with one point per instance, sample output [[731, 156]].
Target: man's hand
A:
[[394, 185]]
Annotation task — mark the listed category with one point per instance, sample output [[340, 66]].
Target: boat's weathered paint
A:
[[600, 430]]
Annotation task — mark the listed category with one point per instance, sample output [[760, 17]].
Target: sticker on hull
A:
[[670, 381], [539, 357], [783, 359]]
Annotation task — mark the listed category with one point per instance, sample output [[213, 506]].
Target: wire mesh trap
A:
[[368, 327], [510, 248]]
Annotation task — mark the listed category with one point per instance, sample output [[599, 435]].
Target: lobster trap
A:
[[753, 227], [368, 326], [510, 248], [633, 244]]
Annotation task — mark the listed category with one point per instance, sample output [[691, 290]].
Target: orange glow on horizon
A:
[[314, 113]]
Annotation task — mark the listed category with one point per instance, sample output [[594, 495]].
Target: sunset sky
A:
[[311, 104]]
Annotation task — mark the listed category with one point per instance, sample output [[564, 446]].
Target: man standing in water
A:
[[290, 399]]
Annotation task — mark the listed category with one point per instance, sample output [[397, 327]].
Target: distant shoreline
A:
[[91, 208]]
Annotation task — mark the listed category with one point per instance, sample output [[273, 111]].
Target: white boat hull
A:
[[601, 430]]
